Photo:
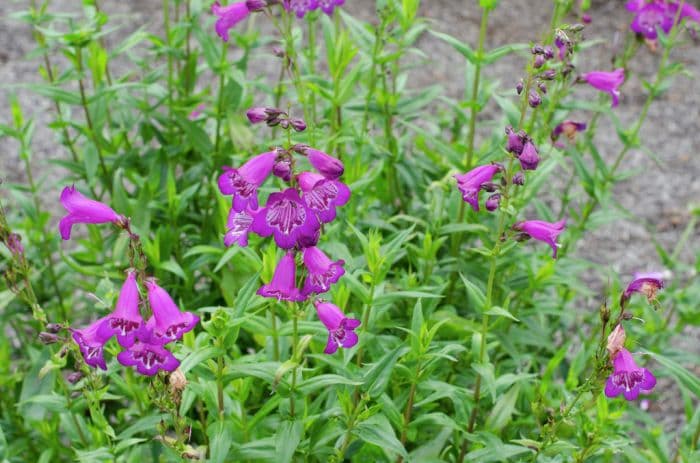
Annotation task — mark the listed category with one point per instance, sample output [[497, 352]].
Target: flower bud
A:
[[586, 18], [14, 244], [256, 115], [529, 158], [549, 74], [298, 124], [519, 87], [255, 5], [534, 99], [515, 141], [283, 169], [548, 52], [74, 377], [48, 338], [492, 202], [178, 381], [489, 187], [518, 179], [326, 165], [537, 50], [54, 327], [539, 61], [284, 123], [542, 87]]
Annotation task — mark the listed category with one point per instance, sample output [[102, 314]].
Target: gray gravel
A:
[[659, 197]]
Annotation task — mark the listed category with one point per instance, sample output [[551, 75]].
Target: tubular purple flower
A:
[[286, 217], [170, 322], [607, 82], [648, 284], [322, 195], [569, 128], [328, 166], [627, 378], [340, 328], [256, 115], [651, 17], [529, 158], [283, 284], [470, 183], [147, 354], [543, 231], [91, 344], [322, 272], [83, 210], [300, 7], [243, 182], [126, 319], [229, 16], [238, 226]]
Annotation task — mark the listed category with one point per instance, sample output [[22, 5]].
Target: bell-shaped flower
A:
[[243, 183], [322, 272], [126, 318], [648, 284], [147, 354], [471, 183], [627, 378], [83, 210], [607, 82], [340, 328], [288, 218], [327, 165], [91, 343], [230, 15], [170, 322], [650, 17], [543, 231], [322, 195], [238, 226], [283, 284]]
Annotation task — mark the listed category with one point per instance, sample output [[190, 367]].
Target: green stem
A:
[[275, 334], [220, 100], [220, 380], [295, 343]]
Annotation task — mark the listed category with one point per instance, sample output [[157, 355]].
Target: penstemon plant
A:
[[280, 245]]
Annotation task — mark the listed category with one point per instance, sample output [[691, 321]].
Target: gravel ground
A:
[[660, 196]]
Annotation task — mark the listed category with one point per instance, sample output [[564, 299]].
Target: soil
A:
[[659, 197]]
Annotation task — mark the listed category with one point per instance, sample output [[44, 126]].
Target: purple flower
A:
[[322, 272], [515, 141], [563, 44], [340, 329], [243, 182], [627, 378], [322, 195], [83, 210], [300, 7], [644, 283], [283, 284], [126, 318], [147, 354], [569, 128], [91, 343], [471, 182], [283, 169], [170, 324], [238, 226], [529, 158], [196, 112], [607, 82], [232, 14], [328, 166], [14, 244], [651, 16], [263, 114], [542, 231], [328, 5], [286, 217]]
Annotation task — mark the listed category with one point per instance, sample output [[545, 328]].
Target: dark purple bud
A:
[[298, 124], [539, 61], [257, 115], [492, 202], [537, 50], [519, 179], [283, 169], [489, 187], [520, 237], [519, 87], [529, 158], [627, 316], [14, 244], [548, 52], [307, 241], [515, 142], [284, 123], [542, 87], [54, 327], [586, 18], [326, 165], [534, 99], [48, 338], [74, 377], [549, 74], [255, 5], [278, 52]]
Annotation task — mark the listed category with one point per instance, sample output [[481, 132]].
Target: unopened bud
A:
[[489, 187], [74, 377], [48, 338], [14, 244], [492, 202], [549, 74], [542, 87], [255, 5], [537, 50], [519, 87], [282, 168], [534, 99], [627, 316], [256, 115], [278, 52], [298, 124], [586, 18], [539, 61], [54, 327], [518, 179], [548, 52]]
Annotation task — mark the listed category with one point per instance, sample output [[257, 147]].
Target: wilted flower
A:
[[286, 217], [471, 183], [322, 272], [14, 244], [607, 82], [568, 128], [126, 318], [169, 322], [644, 283], [627, 378], [543, 231], [238, 226], [148, 354], [340, 329], [232, 14], [83, 210], [616, 340], [529, 158], [91, 344], [283, 284], [327, 165], [243, 182], [323, 195]]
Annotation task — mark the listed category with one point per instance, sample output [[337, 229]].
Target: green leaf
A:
[[287, 440], [682, 375], [501, 413], [220, 440], [461, 47], [322, 381], [378, 431]]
